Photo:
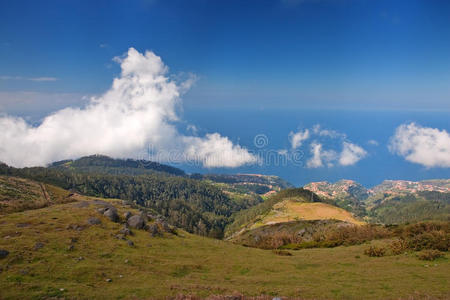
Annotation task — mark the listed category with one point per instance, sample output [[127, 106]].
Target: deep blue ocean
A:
[[241, 126]]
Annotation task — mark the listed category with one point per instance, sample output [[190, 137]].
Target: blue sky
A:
[[332, 61], [350, 53]]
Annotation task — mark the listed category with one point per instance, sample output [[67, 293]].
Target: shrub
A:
[[353, 235], [398, 246], [273, 241], [429, 254], [437, 240], [282, 252], [374, 251], [412, 230]]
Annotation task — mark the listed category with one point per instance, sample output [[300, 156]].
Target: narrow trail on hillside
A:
[[45, 194]]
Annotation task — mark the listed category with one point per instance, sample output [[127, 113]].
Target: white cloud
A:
[[320, 156], [351, 154], [426, 146], [372, 142], [348, 155], [136, 113], [298, 137], [317, 129], [192, 129], [216, 151]]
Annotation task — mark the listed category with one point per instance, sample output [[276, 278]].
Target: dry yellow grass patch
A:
[[291, 210]]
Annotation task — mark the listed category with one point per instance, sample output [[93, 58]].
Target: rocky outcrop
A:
[[136, 222]]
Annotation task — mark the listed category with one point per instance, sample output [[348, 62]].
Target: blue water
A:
[[359, 126]]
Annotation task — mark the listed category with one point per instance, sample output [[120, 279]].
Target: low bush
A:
[[429, 254], [437, 240], [282, 252], [375, 251], [398, 246], [354, 235]]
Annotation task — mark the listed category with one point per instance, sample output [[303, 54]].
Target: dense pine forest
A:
[[193, 205]]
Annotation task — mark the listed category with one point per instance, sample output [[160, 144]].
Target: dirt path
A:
[[45, 194]]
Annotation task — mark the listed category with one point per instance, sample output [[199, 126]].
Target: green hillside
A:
[[413, 207], [58, 252], [19, 194], [193, 205], [106, 165]]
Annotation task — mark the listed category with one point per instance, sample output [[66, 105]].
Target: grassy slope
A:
[[18, 194], [291, 209], [189, 264]]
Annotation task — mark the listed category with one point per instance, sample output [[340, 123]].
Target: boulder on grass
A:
[[94, 221], [3, 253], [136, 222], [111, 213]]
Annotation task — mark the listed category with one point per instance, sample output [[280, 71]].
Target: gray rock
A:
[[127, 215], [130, 243], [38, 246], [22, 225], [108, 280], [94, 221], [120, 237], [166, 227], [101, 210], [125, 231], [75, 227], [137, 222], [3, 253], [81, 204], [111, 213]]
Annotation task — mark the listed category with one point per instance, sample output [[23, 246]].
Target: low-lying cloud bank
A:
[[426, 146], [348, 155], [137, 113]]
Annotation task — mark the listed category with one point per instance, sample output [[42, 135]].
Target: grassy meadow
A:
[[80, 261]]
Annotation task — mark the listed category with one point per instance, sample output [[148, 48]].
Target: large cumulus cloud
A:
[[138, 112]]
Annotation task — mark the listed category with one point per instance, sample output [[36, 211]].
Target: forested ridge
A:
[[107, 165], [190, 204]]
